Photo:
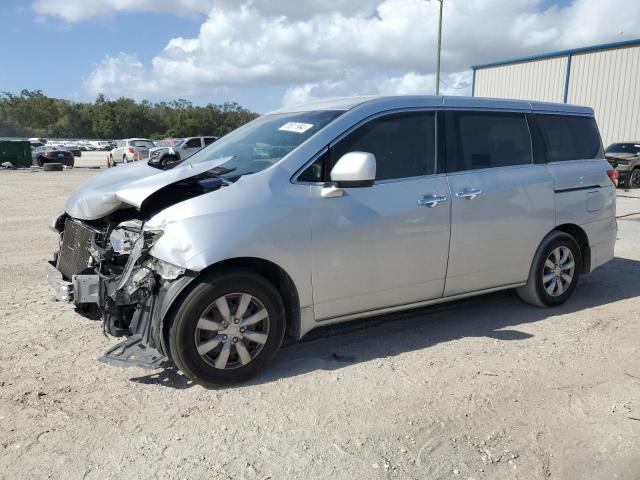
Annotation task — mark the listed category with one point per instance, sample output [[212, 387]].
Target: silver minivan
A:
[[332, 211]]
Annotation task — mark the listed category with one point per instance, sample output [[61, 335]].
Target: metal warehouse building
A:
[[604, 77]]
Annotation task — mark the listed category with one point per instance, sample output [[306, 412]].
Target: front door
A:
[[385, 245], [502, 203]]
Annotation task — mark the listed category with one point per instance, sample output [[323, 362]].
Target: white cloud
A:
[[78, 10], [341, 47], [365, 84]]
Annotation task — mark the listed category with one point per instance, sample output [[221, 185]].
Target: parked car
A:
[[625, 157], [181, 150], [47, 154], [332, 211], [74, 149], [127, 150], [104, 146]]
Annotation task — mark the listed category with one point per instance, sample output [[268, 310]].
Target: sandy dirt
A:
[[487, 388]]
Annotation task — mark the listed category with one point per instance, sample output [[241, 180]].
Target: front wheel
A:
[[554, 273], [228, 328], [634, 179], [168, 160]]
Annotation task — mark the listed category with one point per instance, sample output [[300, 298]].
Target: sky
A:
[[265, 54]]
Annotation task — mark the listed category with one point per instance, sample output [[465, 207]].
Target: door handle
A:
[[469, 194], [432, 200]]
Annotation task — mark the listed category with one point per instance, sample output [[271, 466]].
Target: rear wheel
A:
[[554, 273], [228, 328], [125, 159]]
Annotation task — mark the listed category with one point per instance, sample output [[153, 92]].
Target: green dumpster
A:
[[17, 152]]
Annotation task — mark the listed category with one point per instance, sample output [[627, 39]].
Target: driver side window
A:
[[403, 143]]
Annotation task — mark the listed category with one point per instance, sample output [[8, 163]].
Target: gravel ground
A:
[[487, 388]]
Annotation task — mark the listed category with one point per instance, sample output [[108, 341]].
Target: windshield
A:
[[623, 148], [263, 142]]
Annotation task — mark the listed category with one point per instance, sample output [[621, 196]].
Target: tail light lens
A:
[[130, 149], [613, 176]]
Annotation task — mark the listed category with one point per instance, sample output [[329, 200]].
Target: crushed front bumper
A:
[[81, 289]]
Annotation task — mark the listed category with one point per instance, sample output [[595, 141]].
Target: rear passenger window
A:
[[570, 138], [404, 144], [487, 140]]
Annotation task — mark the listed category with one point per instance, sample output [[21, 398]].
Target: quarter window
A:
[[404, 144], [487, 140], [570, 138]]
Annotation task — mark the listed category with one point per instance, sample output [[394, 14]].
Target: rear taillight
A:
[[613, 176], [130, 149]]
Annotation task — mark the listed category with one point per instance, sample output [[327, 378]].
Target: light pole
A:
[[439, 48]]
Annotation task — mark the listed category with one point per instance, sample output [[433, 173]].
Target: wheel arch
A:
[[275, 274], [582, 240]]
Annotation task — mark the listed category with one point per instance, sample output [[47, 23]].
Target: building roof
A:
[[560, 53]]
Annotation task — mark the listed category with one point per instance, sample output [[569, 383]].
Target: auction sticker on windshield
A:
[[296, 127]]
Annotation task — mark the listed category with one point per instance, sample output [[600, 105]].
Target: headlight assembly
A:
[[125, 235]]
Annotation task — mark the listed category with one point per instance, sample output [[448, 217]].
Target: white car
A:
[[183, 149], [332, 211], [129, 150]]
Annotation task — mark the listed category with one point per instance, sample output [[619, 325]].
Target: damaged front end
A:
[[106, 266]]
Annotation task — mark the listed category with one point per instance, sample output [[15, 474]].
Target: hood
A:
[[127, 185], [621, 156]]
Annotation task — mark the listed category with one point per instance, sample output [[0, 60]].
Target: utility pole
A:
[[439, 48]]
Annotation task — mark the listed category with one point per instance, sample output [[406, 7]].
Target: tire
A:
[[52, 167], [634, 179], [168, 160], [186, 338], [125, 159], [39, 162], [536, 291]]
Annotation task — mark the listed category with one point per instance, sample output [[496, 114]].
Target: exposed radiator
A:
[[74, 251]]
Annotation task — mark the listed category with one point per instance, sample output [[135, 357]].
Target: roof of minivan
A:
[[347, 103]]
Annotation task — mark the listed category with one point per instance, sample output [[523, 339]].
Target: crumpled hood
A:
[[128, 184]]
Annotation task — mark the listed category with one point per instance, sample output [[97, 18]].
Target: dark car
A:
[[43, 155], [75, 151], [625, 157]]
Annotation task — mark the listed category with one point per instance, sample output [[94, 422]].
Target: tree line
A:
[[33, 114]]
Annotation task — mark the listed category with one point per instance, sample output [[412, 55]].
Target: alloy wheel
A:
[[232, 331], [634, 179], [558, 271]]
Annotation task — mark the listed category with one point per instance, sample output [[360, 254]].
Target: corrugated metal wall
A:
[[609, 82], [541, 80]]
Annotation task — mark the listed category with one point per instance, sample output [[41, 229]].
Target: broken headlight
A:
[[125, 235]]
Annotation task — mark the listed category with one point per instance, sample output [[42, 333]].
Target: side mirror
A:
[[353, 170]]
